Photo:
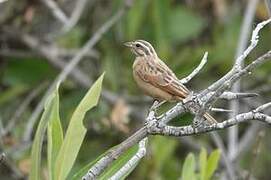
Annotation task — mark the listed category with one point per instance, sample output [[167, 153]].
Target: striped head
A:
[[141, 48]]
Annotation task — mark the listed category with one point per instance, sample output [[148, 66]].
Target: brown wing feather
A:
[[159, 75]]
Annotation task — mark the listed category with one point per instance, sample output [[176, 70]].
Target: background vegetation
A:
[[180, 31]]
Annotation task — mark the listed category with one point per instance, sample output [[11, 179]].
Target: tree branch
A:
[[195, 104], [133, 161], [56, 11], [196, 70]]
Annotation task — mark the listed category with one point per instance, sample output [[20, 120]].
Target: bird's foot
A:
[[156, 105]]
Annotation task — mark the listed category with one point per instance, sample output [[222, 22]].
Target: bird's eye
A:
[[138, 45]]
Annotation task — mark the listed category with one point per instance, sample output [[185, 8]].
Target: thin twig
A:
[[232, 95], [58, 52], [159, 129], [56, 11], [246, 140], [76, 14], [256, 152], [219, 143], [196, 70], [221, 110], [23, 106], [243, 39]]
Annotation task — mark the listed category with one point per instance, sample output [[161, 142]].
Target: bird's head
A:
[[141, 48]]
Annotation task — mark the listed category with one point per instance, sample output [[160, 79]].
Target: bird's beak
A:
[[128, 44]]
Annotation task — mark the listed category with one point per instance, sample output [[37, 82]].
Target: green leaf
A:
[[203, 163], [184, 24], [188, 172], [27, 71], [212, 163], [55, 136], [121, 161], [51, 106], [76, 131]]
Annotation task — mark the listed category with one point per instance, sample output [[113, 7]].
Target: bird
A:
[[155, 78]]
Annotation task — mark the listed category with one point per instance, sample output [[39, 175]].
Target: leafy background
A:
[[180, 31]]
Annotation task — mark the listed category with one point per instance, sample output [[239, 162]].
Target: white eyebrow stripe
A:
[[149, 46], [144, 48]]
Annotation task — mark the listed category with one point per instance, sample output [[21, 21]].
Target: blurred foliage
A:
[[180, 31]]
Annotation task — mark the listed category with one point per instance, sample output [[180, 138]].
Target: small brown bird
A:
[[155, 78]]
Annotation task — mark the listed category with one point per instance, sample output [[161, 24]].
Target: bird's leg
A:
[[156, 104]]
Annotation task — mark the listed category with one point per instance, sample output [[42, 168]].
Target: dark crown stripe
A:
[[148, 45]]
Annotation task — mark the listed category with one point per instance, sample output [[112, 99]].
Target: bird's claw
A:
[[154, 106]]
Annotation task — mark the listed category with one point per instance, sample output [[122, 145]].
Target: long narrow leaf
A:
[[55, 137], [212, 163], [188, 172], [50, 106], [76, 132], [203, 163]]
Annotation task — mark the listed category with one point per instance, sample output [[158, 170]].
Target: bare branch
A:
[[105, 161], [221, 110], [263, 107], [228, 164], [213, 96], [36, 51], [133, 161], [56, 11], [239, 63], [76, 14], [235, 68], [196, 70], [160, 129], [13, 121], [246, 141], [231, 95]]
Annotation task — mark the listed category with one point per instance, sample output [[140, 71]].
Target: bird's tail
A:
[[209, 118]]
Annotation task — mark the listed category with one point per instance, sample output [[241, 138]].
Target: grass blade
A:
[[55, 137], [49, 107]]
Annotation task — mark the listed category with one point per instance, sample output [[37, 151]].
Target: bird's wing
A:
[[159, 75]]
